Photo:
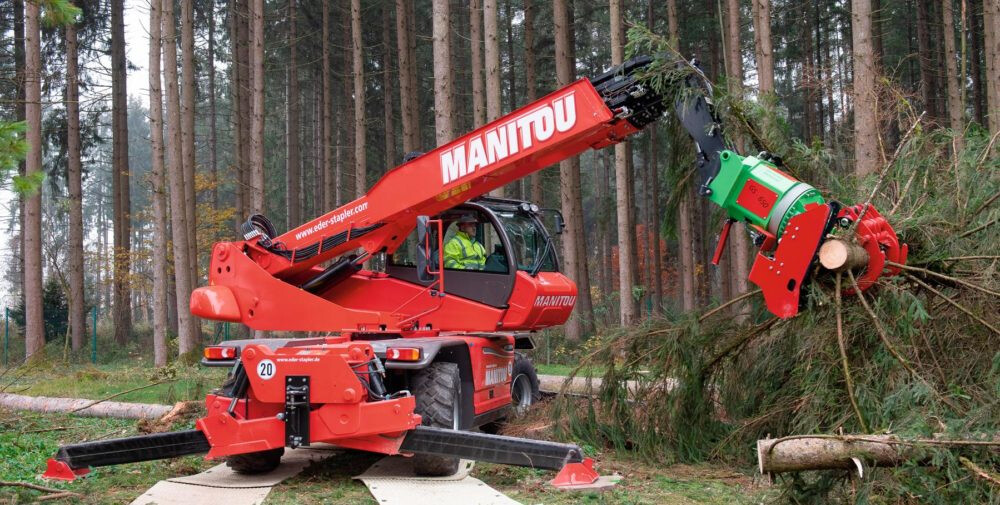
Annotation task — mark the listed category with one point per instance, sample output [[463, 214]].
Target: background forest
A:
[[291, 108]]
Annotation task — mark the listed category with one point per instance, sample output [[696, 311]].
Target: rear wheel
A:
[[253, 463], [438, 390], [523, 391]]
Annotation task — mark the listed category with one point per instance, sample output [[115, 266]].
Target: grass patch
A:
[[565, 370], [28, 439], [185, 383]]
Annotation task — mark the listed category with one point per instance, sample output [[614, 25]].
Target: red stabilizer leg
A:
[[59, 470], [576, 475]]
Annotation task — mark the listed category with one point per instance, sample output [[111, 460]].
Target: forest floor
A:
[[28, 439]]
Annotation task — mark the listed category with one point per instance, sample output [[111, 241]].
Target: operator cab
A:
[[512, 238]]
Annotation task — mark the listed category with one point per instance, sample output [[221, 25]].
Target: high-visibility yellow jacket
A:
[[464, 252]]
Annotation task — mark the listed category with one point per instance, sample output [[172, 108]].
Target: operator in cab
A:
[[463, 252]]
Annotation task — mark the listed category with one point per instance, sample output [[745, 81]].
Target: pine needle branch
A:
[[953, 303], [945, 277], [849, 381]]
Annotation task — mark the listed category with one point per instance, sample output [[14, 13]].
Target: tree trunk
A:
[[80, 407], [518, 185], [120, 178], [569, 176], [391, 158], [360, 161], [74, 188], [329, 178], [975, 71], [407, 77], [187, 137], [623, 189], [444, 99], [492, 52], [476, 37], [187, 339], [236, 92], [34, 327], [991, 27], [257, 129], [956, 109], [825, 453], [865, 120], [345, 144], [158, 193], [762, 45], [530, 82], [840, 255], [293, 160], [213, 155], [928, 91]]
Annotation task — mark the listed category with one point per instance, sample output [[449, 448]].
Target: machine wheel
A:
[[523, 391], [523, 385], [253, 463], [438, 390]]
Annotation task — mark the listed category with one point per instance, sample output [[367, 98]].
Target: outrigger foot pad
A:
[[581, 476], [59, 470]]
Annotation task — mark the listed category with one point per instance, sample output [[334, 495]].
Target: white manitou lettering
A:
[[555, 301], [497, 375], [511, 137]]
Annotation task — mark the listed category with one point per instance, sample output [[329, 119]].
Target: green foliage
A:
[[55, 307], [687, 389], [59, 12]]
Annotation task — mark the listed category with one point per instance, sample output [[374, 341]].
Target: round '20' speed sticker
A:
[[266, 369]]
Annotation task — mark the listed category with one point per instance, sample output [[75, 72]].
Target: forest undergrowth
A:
[[918, 355]]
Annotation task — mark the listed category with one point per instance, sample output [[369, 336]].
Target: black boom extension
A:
[[133, 449], [491, 448]]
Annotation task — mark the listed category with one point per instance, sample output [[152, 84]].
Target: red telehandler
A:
[[413, 355]]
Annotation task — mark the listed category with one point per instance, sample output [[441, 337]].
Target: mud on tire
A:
[[253, 463], [438, 390]]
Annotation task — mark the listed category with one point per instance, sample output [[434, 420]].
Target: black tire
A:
[[524, 392], [253, 463], [438, 390]]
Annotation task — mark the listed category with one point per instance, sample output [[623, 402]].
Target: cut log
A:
[[830, 453], [840, 255], [104, 409]]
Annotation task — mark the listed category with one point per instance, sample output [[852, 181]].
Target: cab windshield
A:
[[527, 240]]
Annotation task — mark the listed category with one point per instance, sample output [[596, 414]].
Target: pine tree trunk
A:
[[928, 90], [476, 55], [623, 189], [293, 159], [975, 70], [530, 82], [444, 100], [492, 57], [236, 91], [187, 339], [865, 121], [187, 133], [329, 177], [360, 161], [158, 193], [213, 155], [991, 30], [762, 45], [956, 109], [257, 129], [119, 127], [34, 326], [407, 77], [74, 188], [391, 158]]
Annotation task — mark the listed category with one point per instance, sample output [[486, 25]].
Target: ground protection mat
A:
[[392, 482], [220, 484]]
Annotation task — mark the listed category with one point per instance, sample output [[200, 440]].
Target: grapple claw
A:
[[879, 239]]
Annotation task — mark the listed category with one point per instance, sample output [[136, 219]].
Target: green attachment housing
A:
[[754, 191]]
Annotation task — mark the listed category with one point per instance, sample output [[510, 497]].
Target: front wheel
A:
[[438, 390], [523, 385]]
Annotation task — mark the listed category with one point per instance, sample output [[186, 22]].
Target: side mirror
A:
[[560, 222], [424, 251]]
